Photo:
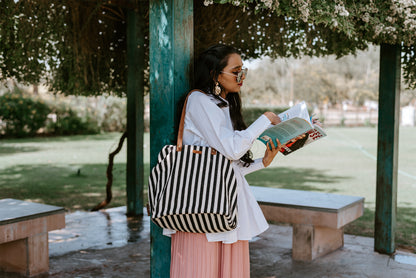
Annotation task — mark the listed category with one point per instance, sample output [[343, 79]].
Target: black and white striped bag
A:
[[193, 189]]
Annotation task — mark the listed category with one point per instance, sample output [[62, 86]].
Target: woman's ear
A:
[[219, 79]]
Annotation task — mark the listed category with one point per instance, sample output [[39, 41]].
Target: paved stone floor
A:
[[109, 244]]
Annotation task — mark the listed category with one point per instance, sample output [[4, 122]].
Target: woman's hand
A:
[[271, 151], [274, 119], [316, 121]]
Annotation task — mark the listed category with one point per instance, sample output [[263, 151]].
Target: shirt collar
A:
[[226, 101]]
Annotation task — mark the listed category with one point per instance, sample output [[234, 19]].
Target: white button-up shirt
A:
[[207, 124]]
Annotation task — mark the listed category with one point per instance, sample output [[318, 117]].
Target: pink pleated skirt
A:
[[193, 256]]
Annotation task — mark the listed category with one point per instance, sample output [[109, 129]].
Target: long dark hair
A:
[[207, 68]]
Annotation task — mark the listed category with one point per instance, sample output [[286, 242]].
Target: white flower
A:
[[389, 30], [208, 2], [378, 29], [340, 9], [403, 6], [404, 3], [268, 3], [304, 6], [366, 17], [410, 24]]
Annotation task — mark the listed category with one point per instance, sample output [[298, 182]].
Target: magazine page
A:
[[286, 131], [311, 136], [299, 110]]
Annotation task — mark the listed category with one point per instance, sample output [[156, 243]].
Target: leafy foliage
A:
[[340, 27], [28, 32], [79, 47], [262, 33], [21, 115], [85, 115], [378, 21], [68, 122]]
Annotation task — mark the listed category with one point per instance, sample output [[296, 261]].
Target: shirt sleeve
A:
[[214, 126], [256, 165]]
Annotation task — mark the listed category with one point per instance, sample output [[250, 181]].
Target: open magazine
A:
[[295, 122]]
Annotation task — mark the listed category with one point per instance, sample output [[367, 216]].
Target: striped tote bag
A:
[[193, 188]]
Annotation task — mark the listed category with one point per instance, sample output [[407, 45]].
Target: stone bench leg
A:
[[310, 242], [28, 256]]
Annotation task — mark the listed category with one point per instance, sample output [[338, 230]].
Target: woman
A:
[[213, 118]]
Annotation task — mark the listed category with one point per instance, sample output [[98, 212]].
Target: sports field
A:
[[345, 162]]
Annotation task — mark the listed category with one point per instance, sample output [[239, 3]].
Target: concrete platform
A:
[[109, 244]]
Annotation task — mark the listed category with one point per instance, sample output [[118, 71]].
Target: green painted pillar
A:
[[135, 111], [171, 51], [387, 150]]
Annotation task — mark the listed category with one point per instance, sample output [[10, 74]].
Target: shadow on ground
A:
[[293, 178], [60, 138], [8, 150], [74, 187]]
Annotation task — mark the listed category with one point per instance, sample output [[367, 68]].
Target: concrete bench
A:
[[24, 228], [317, 218]]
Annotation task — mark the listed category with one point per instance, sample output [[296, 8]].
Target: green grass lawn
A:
[[63, 171], [70, 172]]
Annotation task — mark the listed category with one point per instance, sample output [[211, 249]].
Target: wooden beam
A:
[[171, 49], [135, 111], [387, 151]]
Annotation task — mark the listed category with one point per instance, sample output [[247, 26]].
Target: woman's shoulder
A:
[[202, 97], [198, 95]]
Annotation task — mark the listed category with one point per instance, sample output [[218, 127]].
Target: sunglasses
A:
[[239, 75]]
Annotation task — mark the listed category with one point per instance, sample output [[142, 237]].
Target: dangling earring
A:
[[217, 89]]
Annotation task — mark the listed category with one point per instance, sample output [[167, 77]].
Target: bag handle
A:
[[179, 142]]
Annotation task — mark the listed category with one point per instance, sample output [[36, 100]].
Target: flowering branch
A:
[[378, 21]]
